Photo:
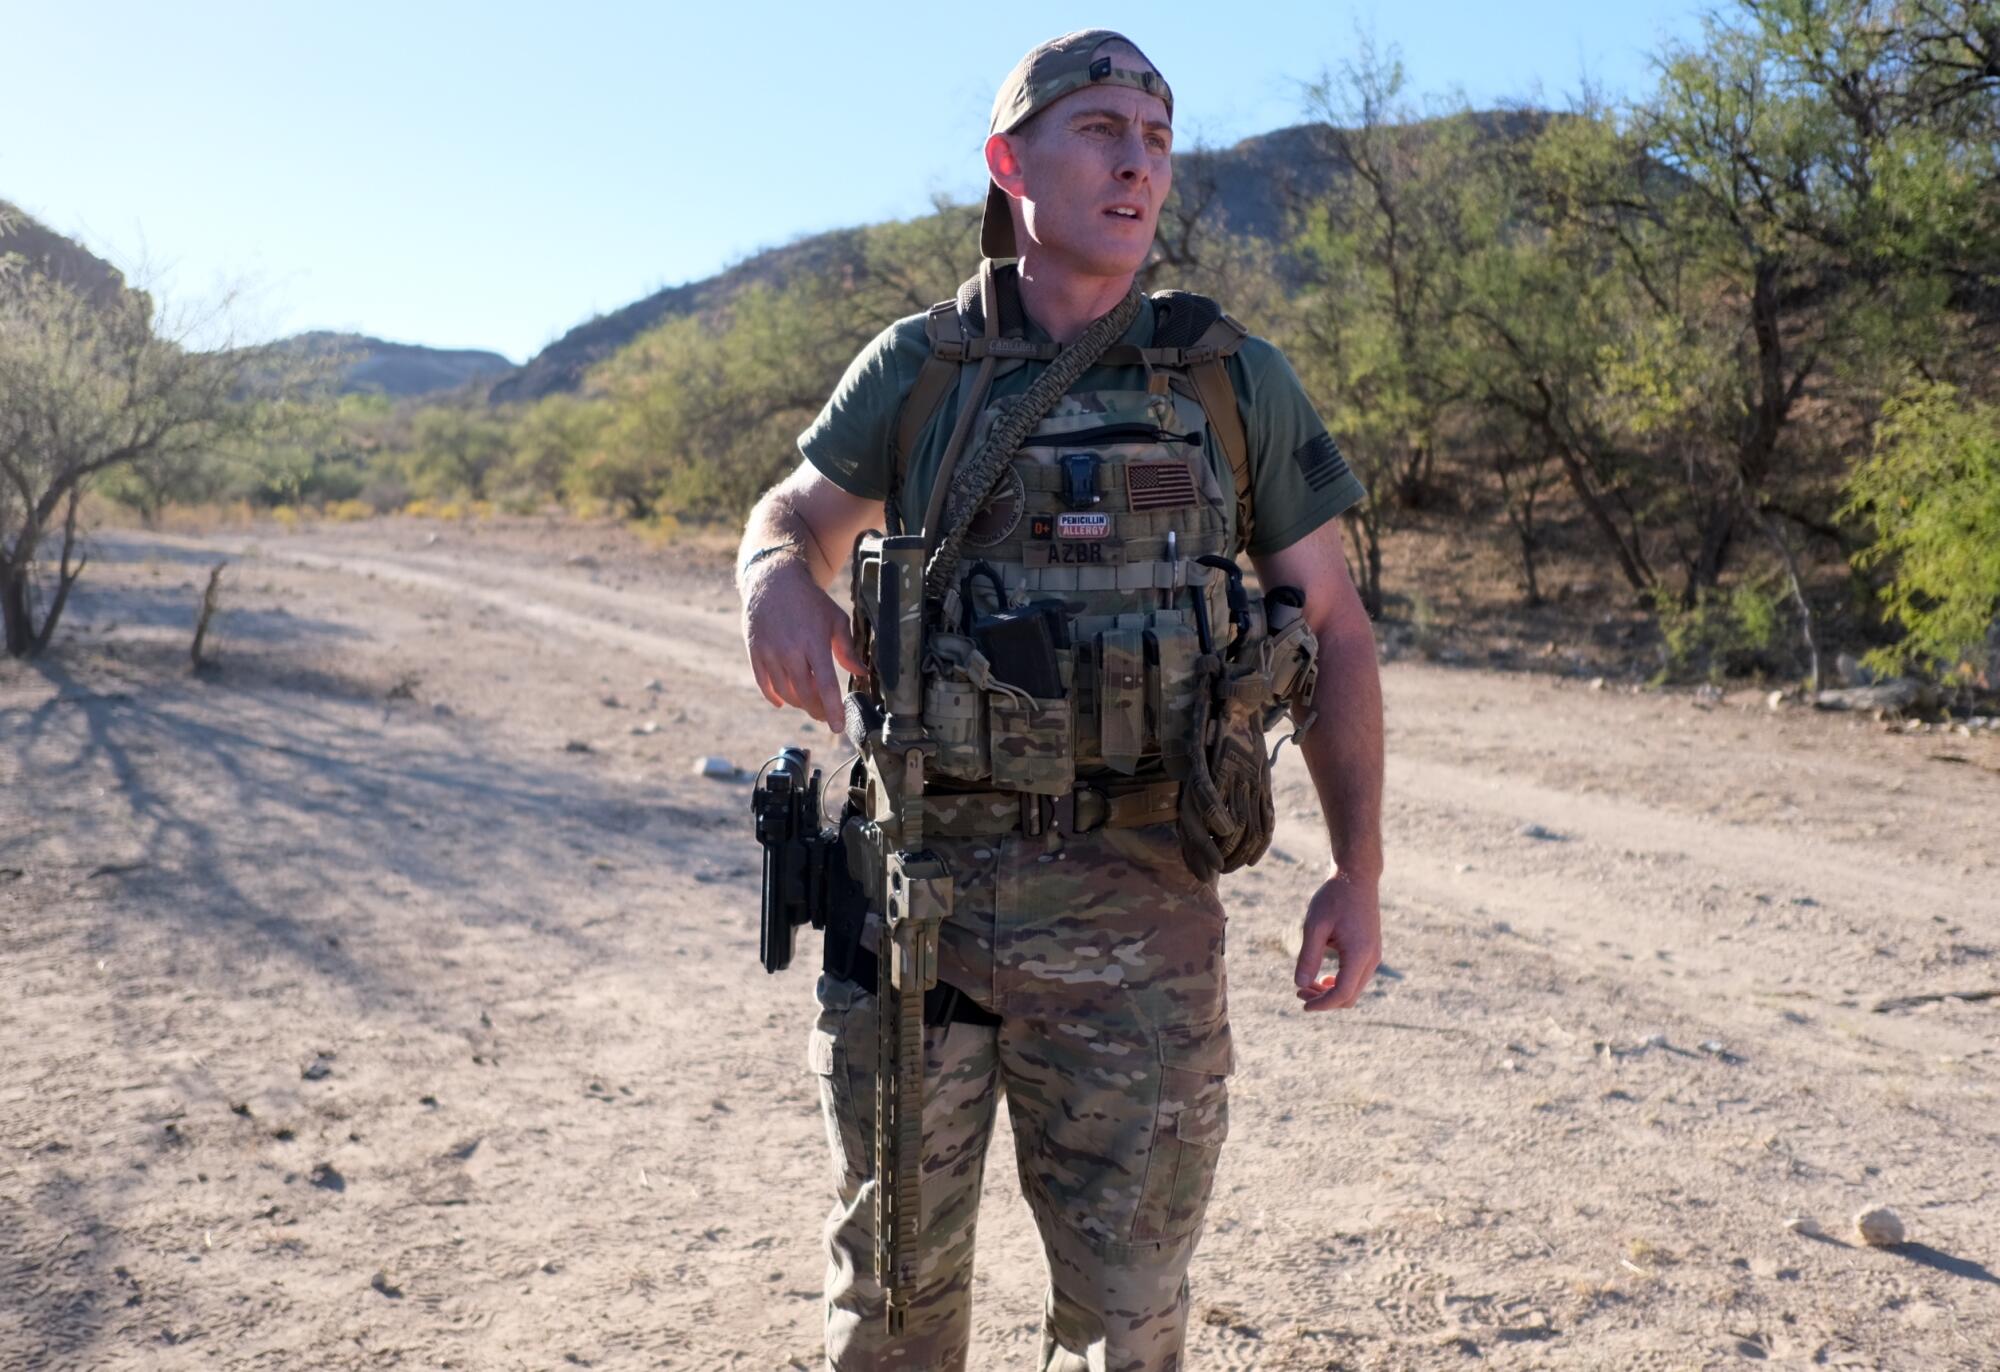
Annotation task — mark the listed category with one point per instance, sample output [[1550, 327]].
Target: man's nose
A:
[[1132, 161]]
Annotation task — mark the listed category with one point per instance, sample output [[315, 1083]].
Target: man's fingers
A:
[[765, 682], [1344, 991], [1347, 985], [1312, 952], [797, 693], [843, 648], [827, 684]]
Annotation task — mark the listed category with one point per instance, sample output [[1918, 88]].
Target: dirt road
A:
[[387, 997]]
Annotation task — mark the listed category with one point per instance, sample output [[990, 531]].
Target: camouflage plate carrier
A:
[[1066, 636]]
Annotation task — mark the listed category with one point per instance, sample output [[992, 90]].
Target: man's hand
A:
[[795, 634], [1346, 916]]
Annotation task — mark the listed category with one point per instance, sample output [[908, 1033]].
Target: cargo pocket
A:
[[1193, 1120], [847, 1110], [1030, 744], [955, 719]]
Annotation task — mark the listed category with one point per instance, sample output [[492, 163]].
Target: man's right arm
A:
[[794, 631]]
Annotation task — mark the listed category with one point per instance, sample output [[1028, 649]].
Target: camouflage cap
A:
[[1044, 76]]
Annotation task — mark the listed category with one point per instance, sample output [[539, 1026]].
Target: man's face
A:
[[1090, 174]]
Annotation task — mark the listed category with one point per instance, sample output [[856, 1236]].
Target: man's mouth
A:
[[1124, 212]]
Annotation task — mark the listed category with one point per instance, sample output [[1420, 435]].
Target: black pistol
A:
[[806, 877]]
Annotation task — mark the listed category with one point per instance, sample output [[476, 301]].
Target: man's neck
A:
[[1064, 303]]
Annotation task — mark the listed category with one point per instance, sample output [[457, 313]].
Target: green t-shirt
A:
[[1298, 479]]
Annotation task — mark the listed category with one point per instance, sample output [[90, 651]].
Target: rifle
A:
[[914, 896], [874, 859], [896, 577]]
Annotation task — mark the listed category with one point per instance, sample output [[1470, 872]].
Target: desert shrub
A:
[[1725, 632], [454, 451], [348, 511], [1932, 492], [385, 493], [520, 502]]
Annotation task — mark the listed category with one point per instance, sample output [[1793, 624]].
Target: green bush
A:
[[1932, 493], [1723, 633]]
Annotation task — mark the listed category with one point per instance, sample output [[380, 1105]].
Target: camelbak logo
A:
[[1083, 526]]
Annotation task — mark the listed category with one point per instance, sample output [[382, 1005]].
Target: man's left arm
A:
[[1343, 754]]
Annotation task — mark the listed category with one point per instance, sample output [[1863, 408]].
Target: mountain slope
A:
[[1249, 186], [561, 365], [395, 369], [45, 252]]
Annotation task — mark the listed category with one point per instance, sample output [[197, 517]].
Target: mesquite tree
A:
[[88, 386]]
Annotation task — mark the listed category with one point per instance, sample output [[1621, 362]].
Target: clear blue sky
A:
[[487, 175]]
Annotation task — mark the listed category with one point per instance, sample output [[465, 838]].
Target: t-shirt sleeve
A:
[[1298, 478], [849, 440]]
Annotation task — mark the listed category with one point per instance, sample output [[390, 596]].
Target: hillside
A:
[[364, 363], [395, 369], [561, 365], [48, 253], [1254, 184]]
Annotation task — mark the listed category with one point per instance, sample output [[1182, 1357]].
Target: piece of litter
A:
[[715, 768]]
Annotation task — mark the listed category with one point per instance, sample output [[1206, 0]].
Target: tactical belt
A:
[[1081, 810]]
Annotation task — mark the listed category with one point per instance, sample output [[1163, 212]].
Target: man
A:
[[1086, 956]]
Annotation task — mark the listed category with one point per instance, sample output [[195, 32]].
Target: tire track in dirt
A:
[[694, 640]]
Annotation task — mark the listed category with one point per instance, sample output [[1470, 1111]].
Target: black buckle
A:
[[1040, 813], [1080, 480], [1063, 816]]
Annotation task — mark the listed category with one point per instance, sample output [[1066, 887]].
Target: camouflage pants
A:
[[1102, 955]]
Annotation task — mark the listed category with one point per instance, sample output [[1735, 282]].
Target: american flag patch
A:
[[1159, 485], [1320, 461]]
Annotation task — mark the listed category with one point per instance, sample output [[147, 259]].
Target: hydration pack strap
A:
[[969, 402], [1212, 386]]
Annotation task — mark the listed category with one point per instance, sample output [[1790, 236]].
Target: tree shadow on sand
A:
[[268, 823], [284, 822]]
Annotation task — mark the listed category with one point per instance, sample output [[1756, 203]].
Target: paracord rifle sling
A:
[[1194, 335], [1016, 418]]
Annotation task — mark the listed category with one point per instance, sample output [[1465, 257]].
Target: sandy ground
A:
[[387, 997]]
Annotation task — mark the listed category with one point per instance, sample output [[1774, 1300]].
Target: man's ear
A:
[[1003, 164]]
